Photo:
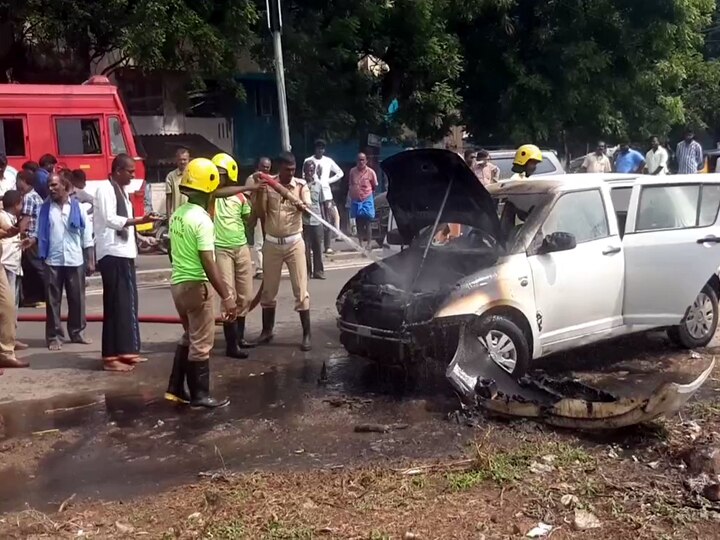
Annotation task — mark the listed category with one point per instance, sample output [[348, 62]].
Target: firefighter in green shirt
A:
[[232, 254], [194, 276]]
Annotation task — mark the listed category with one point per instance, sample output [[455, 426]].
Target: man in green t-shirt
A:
[[192, 235], [233, 254]]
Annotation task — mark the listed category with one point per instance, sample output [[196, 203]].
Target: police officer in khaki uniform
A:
[[284, 245]]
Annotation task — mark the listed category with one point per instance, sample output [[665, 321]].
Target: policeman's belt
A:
[[284, 240]]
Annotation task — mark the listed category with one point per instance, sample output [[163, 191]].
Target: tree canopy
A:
[[509, 70]]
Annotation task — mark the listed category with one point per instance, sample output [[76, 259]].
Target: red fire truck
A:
[[84, 126]]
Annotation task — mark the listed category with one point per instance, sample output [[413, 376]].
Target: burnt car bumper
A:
[[424, 341]]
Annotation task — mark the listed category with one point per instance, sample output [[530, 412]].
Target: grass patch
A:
[[277, 531], [505, 467], [227, 530], [461, 481], [703, 410]]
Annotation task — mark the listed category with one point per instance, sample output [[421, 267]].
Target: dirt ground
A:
[[514, 477], [305, 474]]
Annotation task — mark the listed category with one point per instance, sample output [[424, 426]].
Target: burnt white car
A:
[[541, 265]]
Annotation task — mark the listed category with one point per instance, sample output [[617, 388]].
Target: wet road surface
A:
[[127, 443]]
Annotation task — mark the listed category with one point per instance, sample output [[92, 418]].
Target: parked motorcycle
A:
[[153, 237]]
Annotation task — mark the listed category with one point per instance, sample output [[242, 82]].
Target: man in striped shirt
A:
[[689, 154]]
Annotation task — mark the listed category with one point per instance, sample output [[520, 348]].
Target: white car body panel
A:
[[667, 268], [602, 288]]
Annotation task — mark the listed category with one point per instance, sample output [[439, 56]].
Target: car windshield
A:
[[514, 211]]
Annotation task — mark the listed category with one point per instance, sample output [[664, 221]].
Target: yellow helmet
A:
[[527, 152], [226, 162], [201, 174]]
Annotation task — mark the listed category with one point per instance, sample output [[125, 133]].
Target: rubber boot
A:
[[198, 377], [241, 341], [268, 319], [231, 341], [307, 338], [176, 386]]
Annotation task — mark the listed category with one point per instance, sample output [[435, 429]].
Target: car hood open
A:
[[417, 183]]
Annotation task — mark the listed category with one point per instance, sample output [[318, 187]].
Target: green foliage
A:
[[201, 37], [512, 71], [538, 70], [329, 95]]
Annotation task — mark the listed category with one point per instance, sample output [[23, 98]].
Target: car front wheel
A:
[[699, 325], [505, 342]]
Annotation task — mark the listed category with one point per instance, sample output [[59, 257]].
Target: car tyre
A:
[[700, 322], [509, 347]]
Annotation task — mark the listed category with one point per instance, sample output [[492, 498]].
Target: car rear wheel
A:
[[700, 322], [505, 342]]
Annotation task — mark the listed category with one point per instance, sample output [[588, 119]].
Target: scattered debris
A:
[[562, 402], [542, 530], [541, 468], [712, 492], [46, 432], [693, 428], [411, 536], [159, 423], [65, 409], [65, 503], [379, 428], [612, 453], [340, 401], [124, 528], [453, 466], [695, 355], [585, 520], [654, 465], [702, 460], [569, 501]]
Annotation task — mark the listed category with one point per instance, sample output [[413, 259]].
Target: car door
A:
[[672, 248], [578, 292]]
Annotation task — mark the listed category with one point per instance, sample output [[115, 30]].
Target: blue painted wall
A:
[[257, 128]]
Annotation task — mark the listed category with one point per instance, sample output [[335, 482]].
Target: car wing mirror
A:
[[558, 241], [394, 238]]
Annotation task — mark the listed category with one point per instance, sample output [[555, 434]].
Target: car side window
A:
[[668, 207], [709, 204], [581, 214]]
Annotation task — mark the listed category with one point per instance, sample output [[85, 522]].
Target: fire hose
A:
[[150, 319]]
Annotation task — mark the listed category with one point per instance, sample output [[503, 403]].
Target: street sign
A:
[[274, 15]]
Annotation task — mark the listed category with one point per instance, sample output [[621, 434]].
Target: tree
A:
[[420, 65], [47, 40], [554, 70]]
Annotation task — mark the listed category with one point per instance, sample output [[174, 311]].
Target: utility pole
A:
[[274, 17]]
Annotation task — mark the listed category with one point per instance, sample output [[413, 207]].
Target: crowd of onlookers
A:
[[688, 158]]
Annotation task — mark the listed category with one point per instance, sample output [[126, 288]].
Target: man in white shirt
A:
[[656, 160], [8, 175], [116, 251], [327, 172], [597, 161]]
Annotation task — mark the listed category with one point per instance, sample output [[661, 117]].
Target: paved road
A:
[[76, 367]]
